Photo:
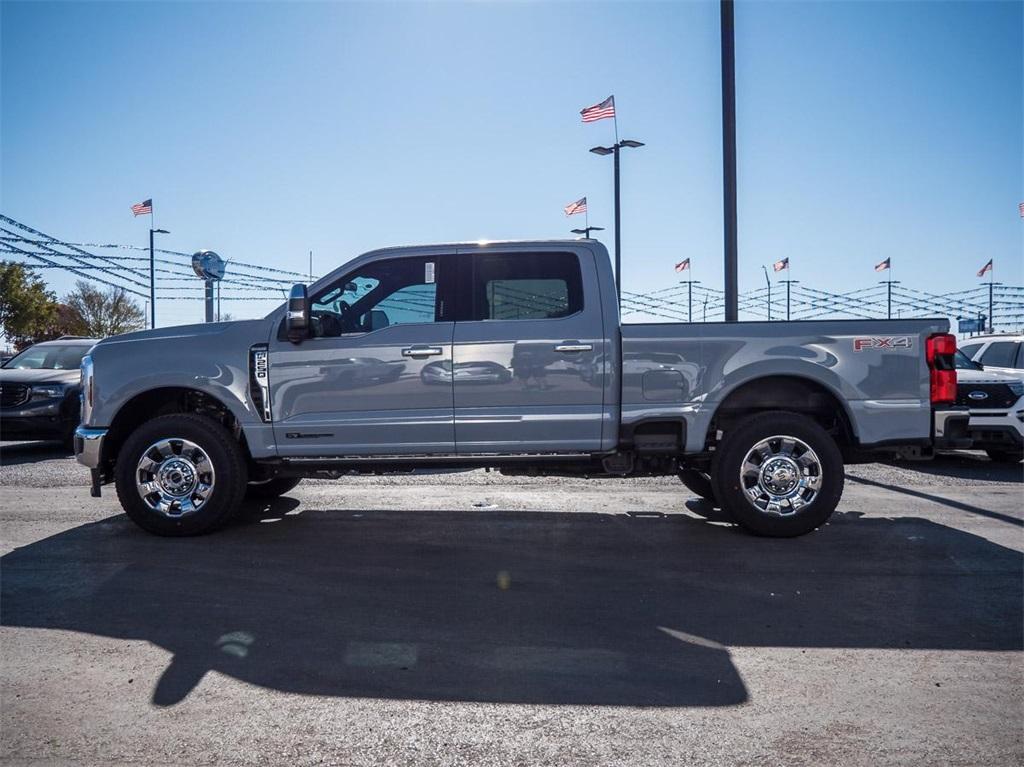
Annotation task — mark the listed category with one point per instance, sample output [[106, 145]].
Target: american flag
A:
[[146, 206], [580, 206], [1021, 207], [683, 265], [599, 111], [780, 265], [881, 266], [986, 268]]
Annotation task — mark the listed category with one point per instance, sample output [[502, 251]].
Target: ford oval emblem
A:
[[978, 395]]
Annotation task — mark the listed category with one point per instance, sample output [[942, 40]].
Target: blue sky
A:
[[865, 131]]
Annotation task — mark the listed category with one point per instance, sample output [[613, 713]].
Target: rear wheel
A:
[[779, 474], [1006, 456], [180, 474], [270, 488]]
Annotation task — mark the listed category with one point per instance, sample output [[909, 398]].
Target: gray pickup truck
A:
[[510, 356]]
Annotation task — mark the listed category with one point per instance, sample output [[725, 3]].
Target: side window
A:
[[526, 286], [1000, 354], [398, 291], [970, 350]]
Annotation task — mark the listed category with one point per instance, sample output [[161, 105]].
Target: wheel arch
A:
[[788, 392], [165, 400]]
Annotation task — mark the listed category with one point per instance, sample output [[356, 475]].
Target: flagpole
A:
[[615, 119], [152, 269]]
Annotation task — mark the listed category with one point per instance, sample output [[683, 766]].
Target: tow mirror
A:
[[296, 320]]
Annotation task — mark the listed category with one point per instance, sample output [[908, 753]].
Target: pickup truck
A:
[[507, 355]]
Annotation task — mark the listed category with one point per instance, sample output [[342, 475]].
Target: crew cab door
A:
[[529, 358], [372, 378]]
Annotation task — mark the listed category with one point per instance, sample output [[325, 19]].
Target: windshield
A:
[[49, 358], [962, 362]]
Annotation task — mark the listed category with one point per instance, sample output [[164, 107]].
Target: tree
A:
[[28, 311], [107, 312]]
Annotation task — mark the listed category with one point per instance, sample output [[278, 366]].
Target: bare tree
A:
[[105, 312]]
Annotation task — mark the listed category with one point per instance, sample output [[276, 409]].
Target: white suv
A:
[[996, 402], [1004, 353]]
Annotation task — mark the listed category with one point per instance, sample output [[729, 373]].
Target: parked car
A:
[[39, 391], [756, 415], [1002, 353], [996, 402]]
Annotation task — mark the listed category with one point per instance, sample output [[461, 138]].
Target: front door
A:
[[529, 354], [374, 378]]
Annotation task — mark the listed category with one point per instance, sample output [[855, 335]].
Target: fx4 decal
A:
[[885, 342]]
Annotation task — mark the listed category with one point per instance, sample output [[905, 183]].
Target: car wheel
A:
[[270, 488], [1006, 456], [779, 474], [180, 474], [698, 483]]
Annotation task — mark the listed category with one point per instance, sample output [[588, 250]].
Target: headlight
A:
[[48, 391], [1017, 387]]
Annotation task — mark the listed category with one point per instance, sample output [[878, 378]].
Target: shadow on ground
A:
[[14, 453], [533, 607]]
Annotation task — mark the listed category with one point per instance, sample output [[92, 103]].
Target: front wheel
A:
[[780, 474], [180, 474]]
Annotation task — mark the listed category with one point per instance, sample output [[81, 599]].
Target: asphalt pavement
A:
[[466, 618]]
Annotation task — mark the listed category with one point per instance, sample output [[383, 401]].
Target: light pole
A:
[[689, 297], [152, 277], [889, 284], [769, 283], [606, 150], [585, 231], [788, 283], [729, 160]]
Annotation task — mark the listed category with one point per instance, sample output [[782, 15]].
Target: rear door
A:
[[528, 353], [374, 378]]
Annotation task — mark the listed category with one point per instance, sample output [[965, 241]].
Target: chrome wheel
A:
[[780, 475], [174, 477]]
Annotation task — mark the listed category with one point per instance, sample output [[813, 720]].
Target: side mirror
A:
[[296, 320]]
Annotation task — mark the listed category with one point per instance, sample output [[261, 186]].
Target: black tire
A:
[[225, 455], [1006, 456], [270, 488], [698, 483], [731, 453]]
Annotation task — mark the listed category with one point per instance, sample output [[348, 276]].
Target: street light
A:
[[152, 277], [603, 151], [585, 231]]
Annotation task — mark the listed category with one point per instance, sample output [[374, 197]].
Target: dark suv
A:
[[39, 391]]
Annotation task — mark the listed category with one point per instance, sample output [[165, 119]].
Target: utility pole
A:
[[788, 283], [689, 297], [729, 160]]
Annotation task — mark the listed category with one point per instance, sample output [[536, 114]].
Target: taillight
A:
[[939, 351]]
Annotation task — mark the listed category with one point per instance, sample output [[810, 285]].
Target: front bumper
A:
[[89, 446], [45, 419]]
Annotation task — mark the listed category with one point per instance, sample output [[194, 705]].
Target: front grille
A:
[[997, 396], [13, 394]]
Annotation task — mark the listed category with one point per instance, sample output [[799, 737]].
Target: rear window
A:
[[970, 349], [1001, 354], [526, 286]]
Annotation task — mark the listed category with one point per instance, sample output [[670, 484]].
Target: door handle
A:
[[422, 351], [569, 348]]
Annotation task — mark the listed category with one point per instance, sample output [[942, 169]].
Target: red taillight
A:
[[940, 344], [939, 350]]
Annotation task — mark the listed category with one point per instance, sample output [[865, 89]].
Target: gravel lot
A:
[[469, 618]]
